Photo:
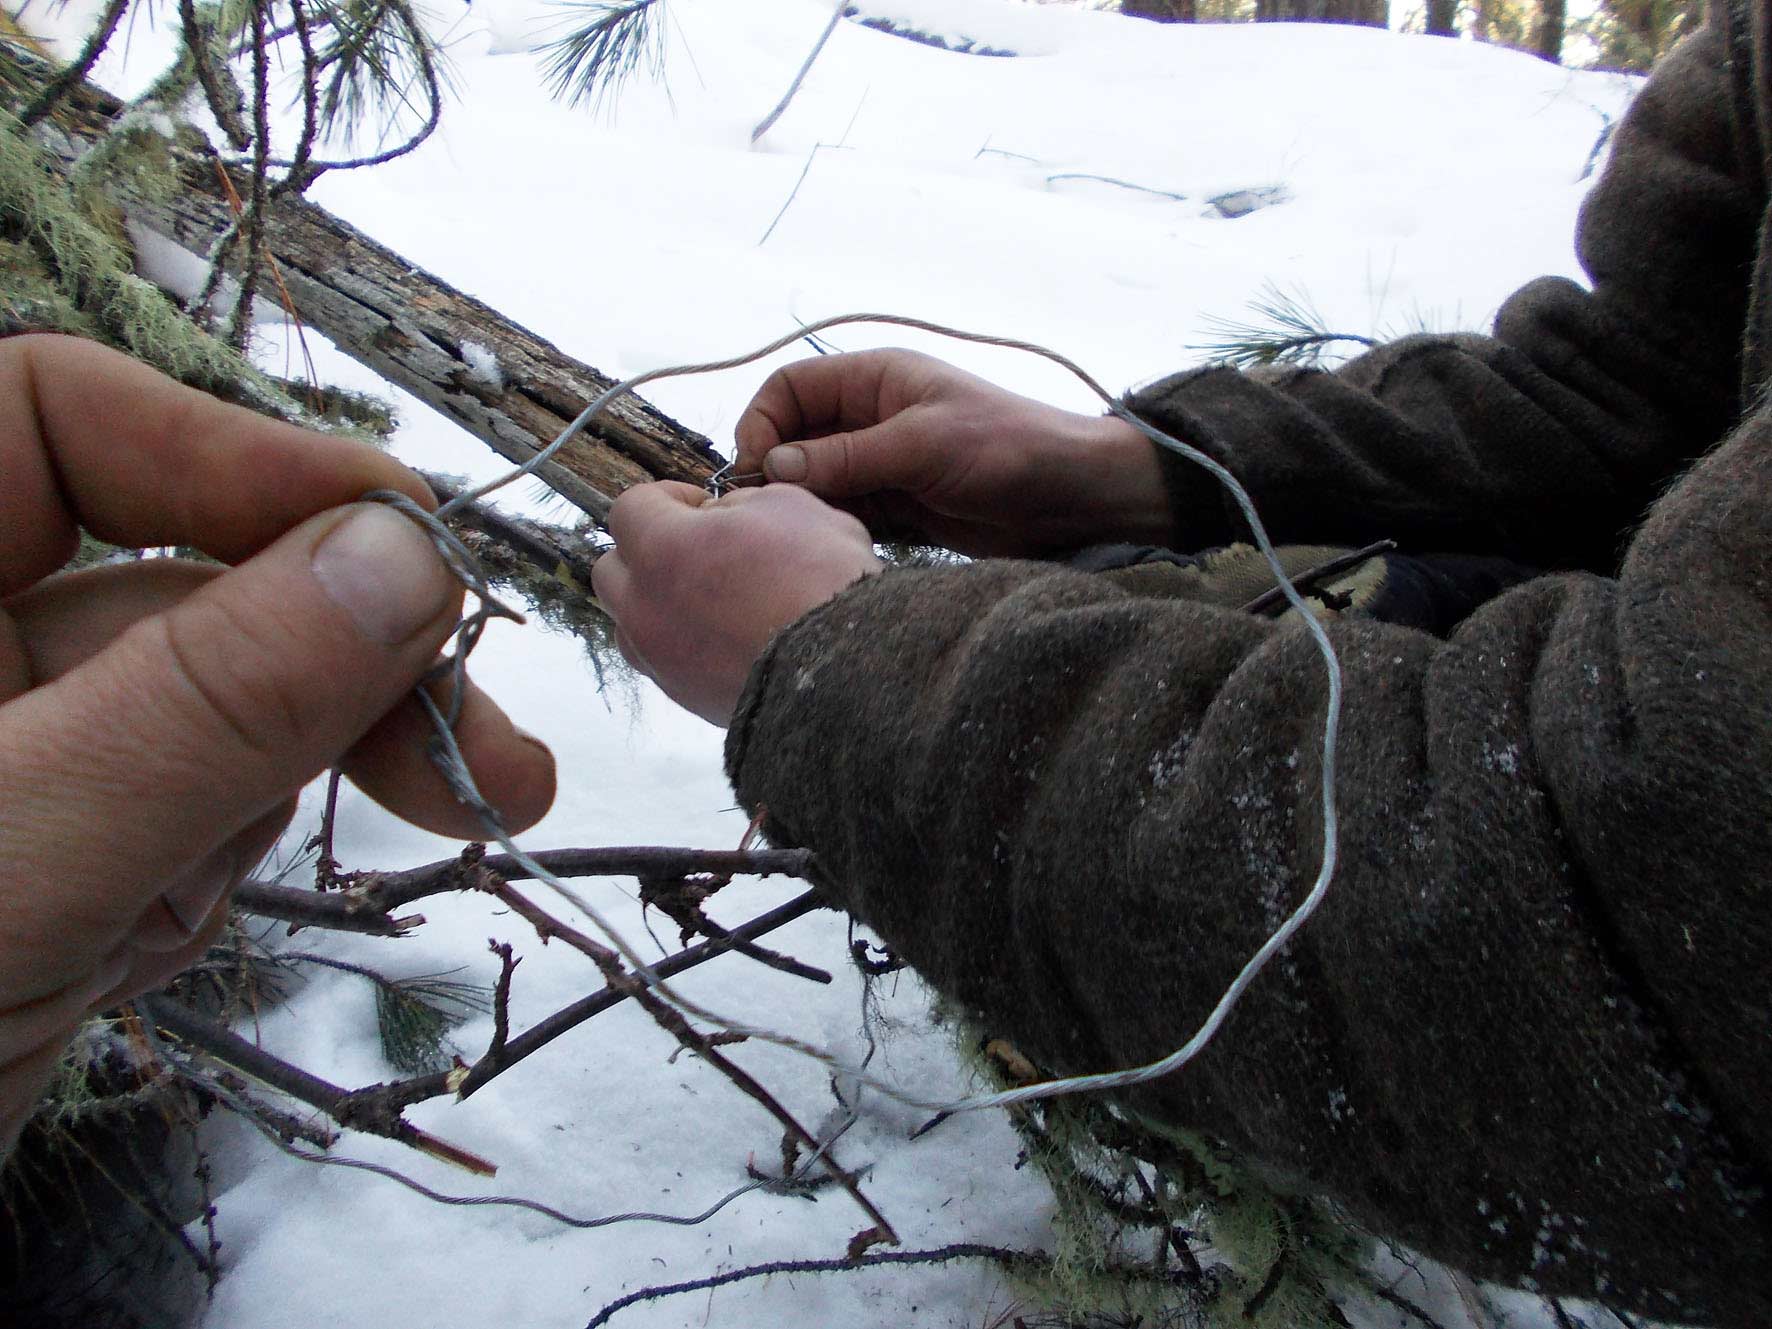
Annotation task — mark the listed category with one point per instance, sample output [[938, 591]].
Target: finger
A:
[[612, 582], [645, 509], [513, 770], [66, 620], [200, 720], [896, 455], [811, 398], [96, 439]]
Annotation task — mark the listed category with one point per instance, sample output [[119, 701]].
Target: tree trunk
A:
[[1442, 18], [410, 328], [1371, 13], [1547, 30], [1162, 11]]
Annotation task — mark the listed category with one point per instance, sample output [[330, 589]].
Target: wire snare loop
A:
[[447, 755]]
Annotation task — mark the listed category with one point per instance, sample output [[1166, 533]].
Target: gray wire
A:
[[449, 759]]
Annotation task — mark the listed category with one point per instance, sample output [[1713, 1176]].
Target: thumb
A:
[[894, 455], [197, 722]]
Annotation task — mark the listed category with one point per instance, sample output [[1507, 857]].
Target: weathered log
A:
[[411, 328]]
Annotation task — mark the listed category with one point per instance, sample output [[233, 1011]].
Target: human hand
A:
[[158, 718], [697, 586], [924, 451]]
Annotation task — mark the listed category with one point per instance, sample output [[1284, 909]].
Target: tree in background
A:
[[1632, 34], [1618, 34]]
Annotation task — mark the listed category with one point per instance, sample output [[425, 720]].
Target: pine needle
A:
[[414, 1017], [593, 61], [373, 61], [1285, 329]]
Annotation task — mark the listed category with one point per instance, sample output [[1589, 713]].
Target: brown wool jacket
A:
[[1530, 1030]]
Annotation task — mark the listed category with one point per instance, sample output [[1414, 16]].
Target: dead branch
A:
[[501, 997], [668, 1018], [1320, 572], [379, 1101], [1004, 1258], [764, 125], [350, 1111], [369, 898], [403, 323], [570, 1017]]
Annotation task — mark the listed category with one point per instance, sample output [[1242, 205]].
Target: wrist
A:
[[1130, 501]]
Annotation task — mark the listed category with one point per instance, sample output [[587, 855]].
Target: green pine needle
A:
[[594, 60], [414, 1017], [1285, 329], [376, 66]]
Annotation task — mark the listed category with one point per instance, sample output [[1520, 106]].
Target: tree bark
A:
[[411, 328], [1442, 18], [1370, 13], [1161, 11], [1548, 28]]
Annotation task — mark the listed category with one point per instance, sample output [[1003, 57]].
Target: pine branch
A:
[[58, 87], [594, 61], [377, 54], [1285, 329]]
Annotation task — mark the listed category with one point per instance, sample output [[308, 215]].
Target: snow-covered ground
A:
[[1422, 180]]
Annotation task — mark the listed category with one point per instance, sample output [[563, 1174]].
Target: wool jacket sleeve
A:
[[1527, 1031], [1548, 440]]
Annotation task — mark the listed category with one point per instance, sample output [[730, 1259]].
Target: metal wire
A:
[[447, 755]]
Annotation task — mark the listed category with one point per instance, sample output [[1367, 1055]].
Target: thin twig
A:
[[539, 1035], [217, 86], [369, 898], [428, 75], [1387, 1293], [391, 890], [239, 327], [1110, 180], [326, 863], [1329, 567], [792, 195], [501, 998], [1013, 1260], [252, 1113], [1176, 1237], [343, 1107], [301, 174], [1004, 152], [383, 1098], [672, 1021], [58, 87], [763, 126]]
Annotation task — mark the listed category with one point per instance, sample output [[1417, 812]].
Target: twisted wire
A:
[[446, 755]]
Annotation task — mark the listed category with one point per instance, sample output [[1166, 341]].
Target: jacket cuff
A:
[[1204, 513], [756, 688]]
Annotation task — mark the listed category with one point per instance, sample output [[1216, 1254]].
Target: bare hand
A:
[[924, 451], [158, 718], [697, 586]]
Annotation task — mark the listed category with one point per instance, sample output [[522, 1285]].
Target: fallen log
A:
[[502, 383]]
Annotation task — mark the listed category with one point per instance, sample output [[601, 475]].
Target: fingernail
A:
[[192, 901], [786, 463], [381, 570]]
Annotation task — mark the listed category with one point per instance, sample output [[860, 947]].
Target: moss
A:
[[1127, 1188]]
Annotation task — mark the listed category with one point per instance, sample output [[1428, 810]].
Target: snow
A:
[[1422, 180]]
